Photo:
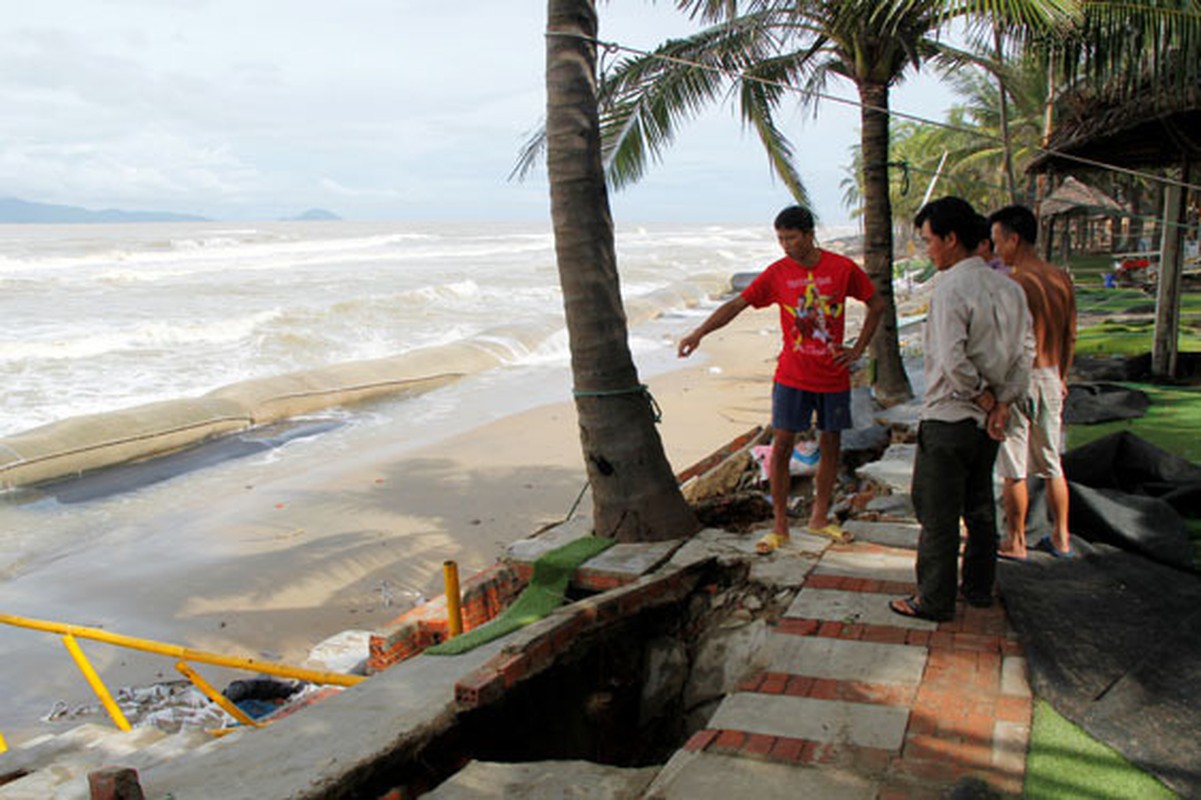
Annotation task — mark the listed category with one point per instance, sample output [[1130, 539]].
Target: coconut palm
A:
[[635, 495], [769, 53]]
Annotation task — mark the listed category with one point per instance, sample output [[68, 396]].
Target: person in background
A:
[[1032, 439], [978, 347], [812, 377], [986, 250]]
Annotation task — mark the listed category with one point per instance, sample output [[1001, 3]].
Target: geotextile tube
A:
[[77, 445], [74, 446]]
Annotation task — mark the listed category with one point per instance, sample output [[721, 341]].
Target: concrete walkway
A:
[[859, 702]]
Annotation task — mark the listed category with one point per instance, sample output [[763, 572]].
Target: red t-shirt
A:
[[812, 305]]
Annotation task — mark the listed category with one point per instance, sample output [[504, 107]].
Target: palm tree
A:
[[773, 51], [635, 495]]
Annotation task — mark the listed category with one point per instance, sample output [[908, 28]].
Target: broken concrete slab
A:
[[833, 721], [579, 780], [693, 775], [865, 564], [894, 470], [891, 534], [852, 607], [846, 659]]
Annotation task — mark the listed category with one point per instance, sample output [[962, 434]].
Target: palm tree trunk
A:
[[892, 384], [1003, 101], [635, 495]]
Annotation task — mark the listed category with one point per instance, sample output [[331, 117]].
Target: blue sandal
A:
[[1045, 545]]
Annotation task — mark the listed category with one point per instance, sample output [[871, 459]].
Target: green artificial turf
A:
[[545, 592], [1172, 422], [1066, 763]]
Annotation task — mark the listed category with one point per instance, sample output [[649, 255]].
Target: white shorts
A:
[[1031, 445]]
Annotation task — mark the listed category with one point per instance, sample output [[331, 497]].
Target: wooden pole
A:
[[1167, 301]]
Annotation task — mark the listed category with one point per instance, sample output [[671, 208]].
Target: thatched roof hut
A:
[[1152, 129], [1074, 195]]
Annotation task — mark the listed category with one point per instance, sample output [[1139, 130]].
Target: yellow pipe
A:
[[3, 744], [183, 653], [454, 610], [97, 685], [212, 694]]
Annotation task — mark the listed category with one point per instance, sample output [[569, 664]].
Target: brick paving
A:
[[861, 702]]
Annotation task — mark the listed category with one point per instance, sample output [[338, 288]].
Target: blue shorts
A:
[[793, 409]]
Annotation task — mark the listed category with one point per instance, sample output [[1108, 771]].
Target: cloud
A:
[[371, 108]]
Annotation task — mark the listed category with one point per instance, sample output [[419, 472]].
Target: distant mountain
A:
[[313, 215], [13, 210]]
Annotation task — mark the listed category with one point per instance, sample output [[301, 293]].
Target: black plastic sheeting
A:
[[1113, 636], [1101, 402], [1127, 492]]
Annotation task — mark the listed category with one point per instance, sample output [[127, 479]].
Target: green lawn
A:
[[1064, 761]]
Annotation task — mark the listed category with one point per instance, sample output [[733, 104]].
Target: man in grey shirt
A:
[[979, 346]]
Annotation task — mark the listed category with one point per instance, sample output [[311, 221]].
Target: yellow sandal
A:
[[770, 543], [834, 531]]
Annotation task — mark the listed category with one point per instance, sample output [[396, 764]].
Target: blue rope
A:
[[641, 388]]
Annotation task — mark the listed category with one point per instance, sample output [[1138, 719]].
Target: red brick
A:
[[479, 688], [829, 629], [941, 638], [798, 627], [729, 741], [927, 769], [921, 724], [919, 638], [852, 631], [115, 783], [885, 634], [824, 689], [820, 581], [787, 749], [977, 642], [774, 683], [799, 686], [1013, 709], [752, 683], [513, 668], [701, 739], [758, 744]]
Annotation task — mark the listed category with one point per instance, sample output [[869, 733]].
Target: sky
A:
[[372, 109]]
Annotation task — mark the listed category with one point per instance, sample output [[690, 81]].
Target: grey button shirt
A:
[[978, 336]]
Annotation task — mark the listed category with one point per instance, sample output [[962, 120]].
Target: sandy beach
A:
[[267, 560]]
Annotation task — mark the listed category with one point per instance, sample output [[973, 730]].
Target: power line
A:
[[615, 47]]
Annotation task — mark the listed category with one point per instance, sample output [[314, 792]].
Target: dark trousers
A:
[[953, 478]]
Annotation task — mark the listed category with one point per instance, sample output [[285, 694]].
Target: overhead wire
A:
[[611, 47]]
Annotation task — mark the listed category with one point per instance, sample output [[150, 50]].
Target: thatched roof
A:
[[1154, 129], [1075, 195]]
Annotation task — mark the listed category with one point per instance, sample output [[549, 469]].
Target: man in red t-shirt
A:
[[811, 287]]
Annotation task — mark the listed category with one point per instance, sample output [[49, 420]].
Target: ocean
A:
[[97, 318]]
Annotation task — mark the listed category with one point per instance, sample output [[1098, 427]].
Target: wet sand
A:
[[267, 559]]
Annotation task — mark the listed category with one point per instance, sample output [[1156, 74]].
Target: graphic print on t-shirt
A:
[[814, 316]]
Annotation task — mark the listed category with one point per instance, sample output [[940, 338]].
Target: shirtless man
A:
[[1032, 441]]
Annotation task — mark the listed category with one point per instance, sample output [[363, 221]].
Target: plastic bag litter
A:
[[805, 456]]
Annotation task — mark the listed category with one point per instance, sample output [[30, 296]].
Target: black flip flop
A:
[[909, 607]]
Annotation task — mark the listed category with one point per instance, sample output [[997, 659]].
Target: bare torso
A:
[[1052, 302]]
